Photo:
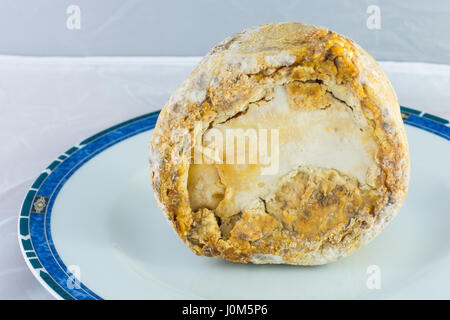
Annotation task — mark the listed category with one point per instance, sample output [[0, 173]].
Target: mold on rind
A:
[[243, 69]]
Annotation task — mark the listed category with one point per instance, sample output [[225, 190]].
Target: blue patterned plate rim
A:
[[34, 232]]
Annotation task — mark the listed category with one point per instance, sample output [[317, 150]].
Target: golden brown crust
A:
[[243, 70]]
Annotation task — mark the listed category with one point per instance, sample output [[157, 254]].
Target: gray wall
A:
[[411, 30]]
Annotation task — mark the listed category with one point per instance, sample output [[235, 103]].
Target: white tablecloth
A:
[[50, 104]]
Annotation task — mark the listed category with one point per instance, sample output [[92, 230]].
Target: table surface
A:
[[50, 104]]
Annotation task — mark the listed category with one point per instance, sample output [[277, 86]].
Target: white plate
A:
[[91, 217]]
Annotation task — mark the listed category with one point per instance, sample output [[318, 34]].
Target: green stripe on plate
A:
[[26, 208], [102, 133], [71, 150], [435, 118], [53, 165], [35, 263], [24, 226], [52, 284], [410, 111], [27, 244], [39, 180]]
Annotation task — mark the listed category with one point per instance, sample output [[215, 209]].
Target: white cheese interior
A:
[[334, 137]]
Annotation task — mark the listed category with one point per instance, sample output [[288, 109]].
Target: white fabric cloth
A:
[[48, 105]]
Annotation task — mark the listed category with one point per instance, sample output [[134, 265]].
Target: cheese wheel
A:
[[284, 145]]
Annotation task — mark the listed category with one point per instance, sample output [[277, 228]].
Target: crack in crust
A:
[[243, 70]]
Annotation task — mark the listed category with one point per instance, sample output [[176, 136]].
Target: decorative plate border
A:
[[34, 233]]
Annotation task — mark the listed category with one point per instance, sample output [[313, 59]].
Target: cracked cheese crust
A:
[[344, 161]]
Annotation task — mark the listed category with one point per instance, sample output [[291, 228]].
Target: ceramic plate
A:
[[89, 228]]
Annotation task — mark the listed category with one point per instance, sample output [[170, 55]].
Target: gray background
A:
[[413, 30]]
